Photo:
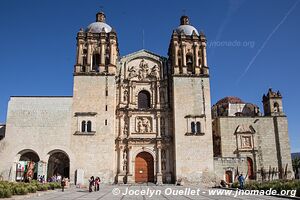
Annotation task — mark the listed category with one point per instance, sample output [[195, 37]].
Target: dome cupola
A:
[[185, 27], [100, 24]]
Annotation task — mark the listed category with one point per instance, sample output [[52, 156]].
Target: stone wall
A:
[[193, 153], [95, 151], [36, 124], [267, 152]]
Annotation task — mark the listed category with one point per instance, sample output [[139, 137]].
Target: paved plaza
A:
[[112, 192]]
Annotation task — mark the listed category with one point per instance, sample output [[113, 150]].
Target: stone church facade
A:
[[144, 118]]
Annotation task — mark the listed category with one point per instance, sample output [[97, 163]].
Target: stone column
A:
[[158, 171], [196, 58], [111, 55], [102, 60], [89, 56], [129, 166], [175, 62], [121, 126], [121, 173], [79, 53], [158, 96], [204, 54], [158, 125], [102, 56], [184, 70]]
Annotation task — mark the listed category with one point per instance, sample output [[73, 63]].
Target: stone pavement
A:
[[114, 192]]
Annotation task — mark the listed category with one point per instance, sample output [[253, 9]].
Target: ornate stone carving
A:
[[163, 154], [143, 71], [143, 125], [246, 142], [125, 130], [125, 160], [155, 71], [244, 128], [125, 95]]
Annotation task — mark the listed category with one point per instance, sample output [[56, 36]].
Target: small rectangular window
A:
[[106, 92], [105, 122], [106, 108]]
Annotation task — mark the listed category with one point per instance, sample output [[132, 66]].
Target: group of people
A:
[[241, 180], [94, 182]]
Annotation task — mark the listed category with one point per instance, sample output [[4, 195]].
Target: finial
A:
[[100, 17], [184, 20]]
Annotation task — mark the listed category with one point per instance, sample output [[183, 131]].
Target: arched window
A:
[[193, 127], [89, 126], [83, 124], [144, 99], [189, 63], [83, 68], [107, 52], [96, 62], [276, 107], [198, 125]]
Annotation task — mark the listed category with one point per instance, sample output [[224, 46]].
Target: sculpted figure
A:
[[132, 72], [155, 71]]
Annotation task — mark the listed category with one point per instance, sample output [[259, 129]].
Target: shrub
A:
[[235, 185]]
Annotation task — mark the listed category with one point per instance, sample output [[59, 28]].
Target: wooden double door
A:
[[144, 168]]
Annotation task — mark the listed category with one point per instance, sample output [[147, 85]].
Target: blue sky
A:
[[252, 45]]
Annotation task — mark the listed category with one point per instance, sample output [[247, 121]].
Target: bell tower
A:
[[97, 48], [272, 103], [187, 50], [94, 99], [190, 103]]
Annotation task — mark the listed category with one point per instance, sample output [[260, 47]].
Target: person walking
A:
[[91, 183], [63, 184], [241, 180], [97, 183]]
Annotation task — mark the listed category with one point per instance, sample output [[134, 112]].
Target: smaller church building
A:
[[143, 117]]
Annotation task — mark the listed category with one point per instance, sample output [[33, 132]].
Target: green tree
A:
[[296, 166]]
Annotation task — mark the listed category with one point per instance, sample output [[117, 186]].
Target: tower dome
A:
[[100, 25], [185, 26]]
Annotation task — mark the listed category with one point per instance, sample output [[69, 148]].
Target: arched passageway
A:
[[58, 165]]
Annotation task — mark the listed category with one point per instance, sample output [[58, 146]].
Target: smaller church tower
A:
[[97, 48], [272, 103], [187, 50]]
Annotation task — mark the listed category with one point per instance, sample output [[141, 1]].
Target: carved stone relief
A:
[[143, 125], [143, 71], [246, 142]]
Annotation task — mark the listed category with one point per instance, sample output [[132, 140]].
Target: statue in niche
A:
[[163, 167], [132, 72], [125, 130], [163, 154], [155, 71], [143, 125], [144, 70], [162, 96], [125, 95], [125, 160]]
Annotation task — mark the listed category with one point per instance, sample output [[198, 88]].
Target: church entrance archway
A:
[[58, 164], [250, 168], [228, 176], [144, 168]]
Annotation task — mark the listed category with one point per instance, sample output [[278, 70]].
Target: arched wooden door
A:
[[228, 175], [144, 168], [250, 168]]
